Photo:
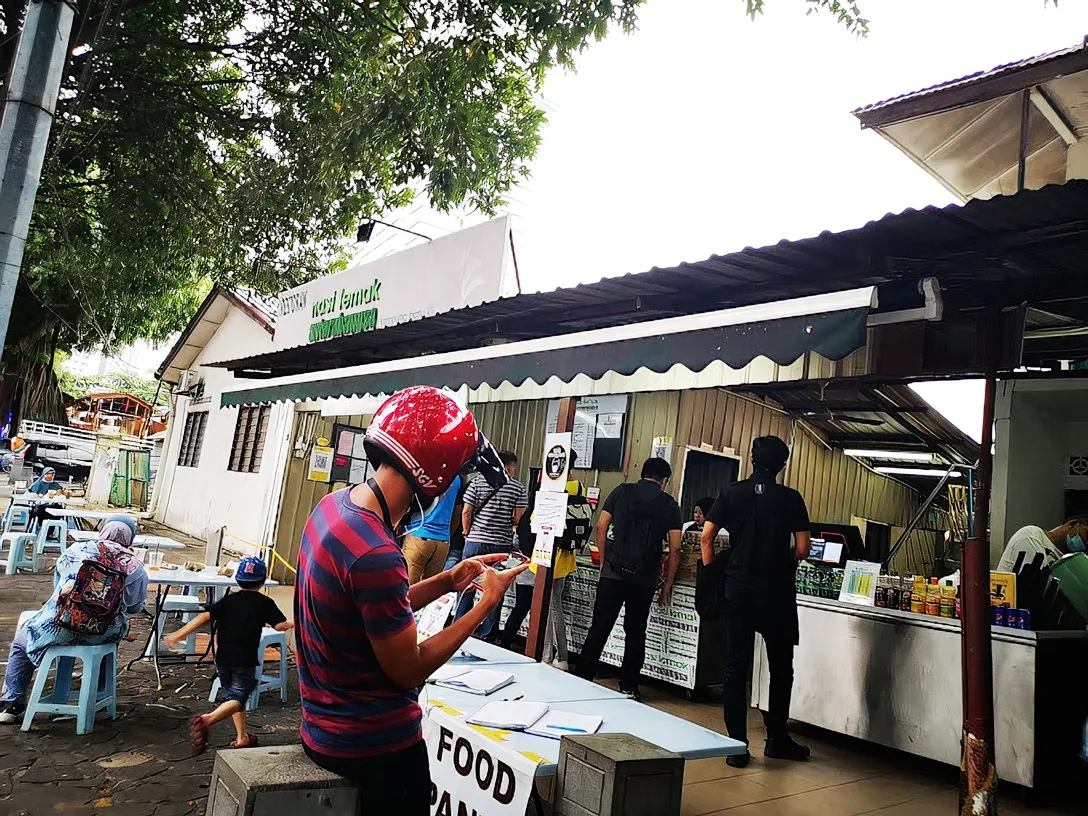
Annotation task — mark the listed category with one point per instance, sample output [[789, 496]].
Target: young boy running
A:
[[239, 619]]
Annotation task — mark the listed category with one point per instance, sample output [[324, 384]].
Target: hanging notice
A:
[[472, 773], [549, 510], [662, 448], [598, 424], [859, 583], [320, 462], [431, 619], [556, 463], [544, 547]]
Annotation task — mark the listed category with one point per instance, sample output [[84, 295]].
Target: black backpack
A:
[[579, 524], [636, 544]]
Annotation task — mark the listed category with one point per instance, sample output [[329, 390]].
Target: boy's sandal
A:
[[251, 742], [198, 734]]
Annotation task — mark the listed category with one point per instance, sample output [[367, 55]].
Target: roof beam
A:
[[1047, 107]]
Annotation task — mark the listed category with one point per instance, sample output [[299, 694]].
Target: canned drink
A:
[[880, 595], [998, 615], [1025, 619], [905, 600]]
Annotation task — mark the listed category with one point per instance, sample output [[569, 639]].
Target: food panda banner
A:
[[473, 774]]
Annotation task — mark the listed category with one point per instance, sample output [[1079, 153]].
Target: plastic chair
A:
[[17, 519], [60, 537], [22, 552], [97, 690], [270, 638]]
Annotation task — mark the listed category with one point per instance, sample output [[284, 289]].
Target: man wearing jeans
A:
[[634, 523], [488, 519]]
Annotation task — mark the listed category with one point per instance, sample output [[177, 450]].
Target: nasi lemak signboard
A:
[[464, 268]]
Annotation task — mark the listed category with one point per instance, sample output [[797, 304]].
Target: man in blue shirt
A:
[[426, 548]]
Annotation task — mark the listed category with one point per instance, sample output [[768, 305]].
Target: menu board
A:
[[349, 464], [599, 425]]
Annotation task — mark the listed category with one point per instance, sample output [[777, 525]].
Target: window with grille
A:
[[249, 433], [192, 439]]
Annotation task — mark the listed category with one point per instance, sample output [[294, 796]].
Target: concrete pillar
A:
[[1076, 161]]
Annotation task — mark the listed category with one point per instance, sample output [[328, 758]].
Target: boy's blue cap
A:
[[251, 570]]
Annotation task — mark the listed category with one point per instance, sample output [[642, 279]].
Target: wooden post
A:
[[978, 769], [542, 589]]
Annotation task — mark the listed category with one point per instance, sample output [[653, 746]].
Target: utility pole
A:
[[24, 133]]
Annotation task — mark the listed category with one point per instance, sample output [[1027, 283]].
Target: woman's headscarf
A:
[[41, 486], [118, 532], [122, 518]]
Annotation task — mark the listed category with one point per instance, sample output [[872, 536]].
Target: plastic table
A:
[[622, 715], [489, 653], [163, 579], [150, 541], [90, 515]]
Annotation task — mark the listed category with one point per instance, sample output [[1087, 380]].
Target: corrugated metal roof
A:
[[978, 77], [1037, 234]]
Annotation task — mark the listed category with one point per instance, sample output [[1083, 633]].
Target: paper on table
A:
[[556, 724], [512, 715], [479, 681]]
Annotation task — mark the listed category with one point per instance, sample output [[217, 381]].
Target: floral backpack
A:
[[94, 601]]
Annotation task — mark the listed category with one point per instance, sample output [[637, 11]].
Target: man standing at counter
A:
[[1032, 540], [769, 533]]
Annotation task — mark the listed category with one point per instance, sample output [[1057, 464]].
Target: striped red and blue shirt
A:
[[352, 591]]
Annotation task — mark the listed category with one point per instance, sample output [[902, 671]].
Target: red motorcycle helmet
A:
[[430, 438]]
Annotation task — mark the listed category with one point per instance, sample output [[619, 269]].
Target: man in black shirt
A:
[[769, 533], [634, 522]]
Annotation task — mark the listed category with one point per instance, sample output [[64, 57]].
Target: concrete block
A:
[[277, 781], [617, 775]]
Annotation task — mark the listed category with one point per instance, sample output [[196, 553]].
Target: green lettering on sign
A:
[[343, 325]]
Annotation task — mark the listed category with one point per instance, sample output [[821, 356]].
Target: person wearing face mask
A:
[[1053, 544], [360, 661]]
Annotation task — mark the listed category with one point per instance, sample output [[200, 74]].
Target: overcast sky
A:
[[703, 132]]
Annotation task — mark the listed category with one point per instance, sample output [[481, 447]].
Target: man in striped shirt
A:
[[489, 519], [360, 662]]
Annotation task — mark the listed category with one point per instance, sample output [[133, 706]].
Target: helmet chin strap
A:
[[379, 495]]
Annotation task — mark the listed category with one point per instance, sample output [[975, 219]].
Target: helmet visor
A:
[[487, 463]]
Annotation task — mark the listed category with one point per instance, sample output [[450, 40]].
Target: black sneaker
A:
[[739, 760], [632, 694], [786, 748], [11, 713]]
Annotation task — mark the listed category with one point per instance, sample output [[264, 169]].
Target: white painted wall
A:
[[1038, 427], [200, 500]]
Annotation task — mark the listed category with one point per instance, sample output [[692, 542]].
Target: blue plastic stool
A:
[[60, 542], [265, 682], [17, 519], [22, 552], [188, 606], [97, 690]]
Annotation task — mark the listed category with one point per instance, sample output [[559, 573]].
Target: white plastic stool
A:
[[22, 552], [270, 638], [189, 606]]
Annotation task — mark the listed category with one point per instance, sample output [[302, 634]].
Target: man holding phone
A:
[[360, 662]]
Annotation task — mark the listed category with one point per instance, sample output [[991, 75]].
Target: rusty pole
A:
[[978, 772], [542, 589]]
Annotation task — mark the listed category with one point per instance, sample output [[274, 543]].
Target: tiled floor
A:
[[844, 778]]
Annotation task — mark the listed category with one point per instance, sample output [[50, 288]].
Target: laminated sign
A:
[[320, 462], [473, 774], [556, 463]]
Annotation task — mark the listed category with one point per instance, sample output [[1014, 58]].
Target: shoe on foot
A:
[[786, 748], [739, 760], [198, 734], [632, 694], [562, 665], [13, 713]]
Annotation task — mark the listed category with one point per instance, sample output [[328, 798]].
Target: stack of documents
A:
[[477, 681]]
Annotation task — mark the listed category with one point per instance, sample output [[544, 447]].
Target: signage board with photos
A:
[[349, 463], [458, 270]]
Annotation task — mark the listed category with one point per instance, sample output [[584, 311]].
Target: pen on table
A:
[[568, 728], [515, 699]]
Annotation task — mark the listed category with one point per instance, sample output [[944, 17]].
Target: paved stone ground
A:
[[138, 765]]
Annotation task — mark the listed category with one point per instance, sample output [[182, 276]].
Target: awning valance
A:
[[831, 325]]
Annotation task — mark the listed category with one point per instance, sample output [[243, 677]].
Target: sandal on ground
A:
[[251, 742], [198, 734]]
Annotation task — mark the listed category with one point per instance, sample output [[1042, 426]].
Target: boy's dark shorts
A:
[[235, 684]]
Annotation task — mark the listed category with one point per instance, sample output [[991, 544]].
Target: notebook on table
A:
[[510, 715], [478, 681], [558, 724]]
